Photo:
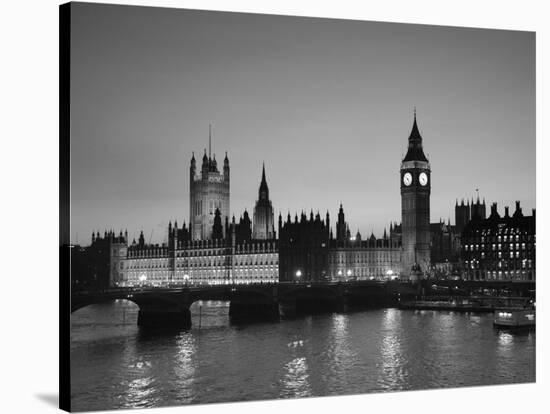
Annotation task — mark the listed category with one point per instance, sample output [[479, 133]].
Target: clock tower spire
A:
[[415, 176]]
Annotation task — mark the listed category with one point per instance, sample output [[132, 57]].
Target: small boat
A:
[[515, 318]]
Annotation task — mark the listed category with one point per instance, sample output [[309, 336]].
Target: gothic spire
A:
[[264, 189], [209, 140], [415, 151]]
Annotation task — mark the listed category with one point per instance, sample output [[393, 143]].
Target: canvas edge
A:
[[64, 208]]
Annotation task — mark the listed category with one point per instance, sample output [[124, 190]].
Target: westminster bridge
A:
[[170, 306]]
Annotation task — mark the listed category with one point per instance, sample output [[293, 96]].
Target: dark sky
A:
[[327, 104]]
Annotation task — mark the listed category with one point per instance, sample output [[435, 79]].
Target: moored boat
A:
[[514, 318]]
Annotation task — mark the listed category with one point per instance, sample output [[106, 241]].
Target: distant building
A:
[[444, 243], [500, 248], [208, 191], [464, 212], [444, 249], [462, 215], [97, 265], [351, 258], [264, 228]]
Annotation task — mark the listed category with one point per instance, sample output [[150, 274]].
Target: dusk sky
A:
[[326, 104]]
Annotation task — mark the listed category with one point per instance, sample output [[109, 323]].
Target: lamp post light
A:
[[186, 278], [298, 275]]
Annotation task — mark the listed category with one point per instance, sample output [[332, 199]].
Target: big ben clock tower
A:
[[415, 208]]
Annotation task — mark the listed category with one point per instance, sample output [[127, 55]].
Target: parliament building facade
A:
[[214, 249]]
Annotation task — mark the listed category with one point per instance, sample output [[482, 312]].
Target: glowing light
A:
[[298, 273], [348, 272], [142, 277]]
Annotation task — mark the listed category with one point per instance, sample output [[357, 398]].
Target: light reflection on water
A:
[[295, 381], [393, 373], [117, 365]]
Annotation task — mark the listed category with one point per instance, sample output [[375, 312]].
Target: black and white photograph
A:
[[261, 207]]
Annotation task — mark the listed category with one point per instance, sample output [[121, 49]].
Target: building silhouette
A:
[[263, 226], [100, 264], [243, 229], [464, 212], [444, 248], [415, 177], [462, 215], [303, 248], [477, 209], [208, 191]]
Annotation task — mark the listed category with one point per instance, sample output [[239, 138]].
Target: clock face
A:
[[423, 178], [407, 179]]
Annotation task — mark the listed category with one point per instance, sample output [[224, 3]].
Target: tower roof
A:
[[415, 151], [263, 185]]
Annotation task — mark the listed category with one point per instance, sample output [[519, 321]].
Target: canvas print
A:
[[268, 207]]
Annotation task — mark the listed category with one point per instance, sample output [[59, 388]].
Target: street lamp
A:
[[298, 274], [142, 278], [186, 278]]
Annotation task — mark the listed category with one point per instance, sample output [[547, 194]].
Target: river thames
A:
[[116, 364]]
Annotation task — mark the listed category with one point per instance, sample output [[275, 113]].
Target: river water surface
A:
[[116, 364]]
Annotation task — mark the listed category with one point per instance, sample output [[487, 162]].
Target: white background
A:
[[29, 202]]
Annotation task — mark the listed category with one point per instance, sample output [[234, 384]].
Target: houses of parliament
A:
[[214, 248]]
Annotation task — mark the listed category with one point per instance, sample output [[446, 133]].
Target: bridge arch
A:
[[85, 304]]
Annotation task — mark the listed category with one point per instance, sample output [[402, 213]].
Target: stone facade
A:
[[212, 262], [208, 191], [351, 258]]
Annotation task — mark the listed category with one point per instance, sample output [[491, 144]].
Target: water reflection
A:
[[115, 365], [505, 339], [184, 366], [393, 374], [341, 355], [140, 393], [296, 379], [505, 344]]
